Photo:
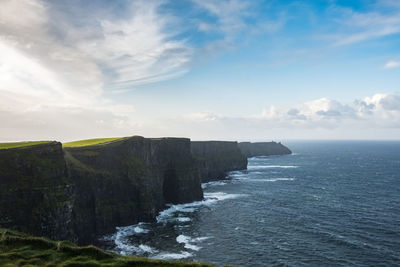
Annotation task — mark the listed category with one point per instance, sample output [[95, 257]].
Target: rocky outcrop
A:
[[36, 195], [216, 158], [128, 181], [263, 149]]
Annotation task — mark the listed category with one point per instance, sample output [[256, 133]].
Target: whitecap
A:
[[209, 198], [214, 183], [271, 167], [273, 179], [147, 249], [183, 219], [173, 256], [188, 241]]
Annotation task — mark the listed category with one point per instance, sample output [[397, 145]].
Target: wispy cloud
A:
[[235, 21], [392, 64], [59, 58], [357, 26]]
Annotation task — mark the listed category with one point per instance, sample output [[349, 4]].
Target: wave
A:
[[188, 241], [273, 179], [183, 219], [271, 167], [214, 183], [209, 199], [173, 256]]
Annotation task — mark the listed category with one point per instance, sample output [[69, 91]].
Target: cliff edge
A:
[[263, 149]]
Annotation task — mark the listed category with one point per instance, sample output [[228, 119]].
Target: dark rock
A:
[[36, 196], [128, 181], [263, 149], [216, 158]]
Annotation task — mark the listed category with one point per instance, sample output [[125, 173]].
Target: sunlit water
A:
[[330, 203]]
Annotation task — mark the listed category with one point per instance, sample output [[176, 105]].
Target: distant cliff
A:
[[263, 149], [216, 158], [128, 181]]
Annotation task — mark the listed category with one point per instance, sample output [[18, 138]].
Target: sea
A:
[[330, 203]]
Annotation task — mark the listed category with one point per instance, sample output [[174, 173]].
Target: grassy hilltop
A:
[[91, 142], [21, 144], [18, 249]]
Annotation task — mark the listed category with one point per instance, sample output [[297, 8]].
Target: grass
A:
[[21, 144], [18, 249], [91, 142]]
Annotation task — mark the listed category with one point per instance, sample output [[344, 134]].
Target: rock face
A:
[[79, 193], [216, 158], [263, 149], [36, 196], [128, 181]]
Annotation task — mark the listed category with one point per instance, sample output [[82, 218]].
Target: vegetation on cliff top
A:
[[21, 144], [18, 249], [91, 142]]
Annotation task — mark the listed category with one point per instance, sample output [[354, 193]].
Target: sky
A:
[[256, 70]]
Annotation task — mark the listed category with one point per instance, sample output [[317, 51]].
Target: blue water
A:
[[330, 203]]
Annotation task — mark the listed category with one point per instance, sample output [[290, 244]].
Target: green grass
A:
[[21, 144], [18, 249], [91, 142]]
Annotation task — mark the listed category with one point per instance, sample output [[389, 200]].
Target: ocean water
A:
[[329, 204]]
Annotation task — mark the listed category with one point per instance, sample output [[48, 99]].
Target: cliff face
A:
[[128, 181], [36, 195], [263, 149], [216, 158], [79, 193]]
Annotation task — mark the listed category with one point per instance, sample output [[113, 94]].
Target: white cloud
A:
[[56, 62], [375, 117], [392, 64]]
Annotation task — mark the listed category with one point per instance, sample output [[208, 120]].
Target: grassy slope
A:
[[91, 142], [18, 249], [21, 144]]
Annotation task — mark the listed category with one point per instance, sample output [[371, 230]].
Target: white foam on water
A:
[[273, 179], [183, 219], [209, 199], [188, 241], [147, 249], [271, 167], [214, 183], [199, 239], [124, 247], [173, 256]]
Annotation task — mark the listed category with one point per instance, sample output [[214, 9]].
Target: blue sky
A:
[[205, 69]]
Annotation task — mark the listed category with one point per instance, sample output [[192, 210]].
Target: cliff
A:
[[18, 249], [89, 187], [36, 195], [216, 158], [129, 180], [78, 193], [263, 149]]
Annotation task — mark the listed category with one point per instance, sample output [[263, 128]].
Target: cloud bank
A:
[[375, 117]]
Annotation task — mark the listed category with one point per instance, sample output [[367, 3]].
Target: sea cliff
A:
[[128, 181], [216, 158], [81, 191], [36, 195], [263, 149]]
